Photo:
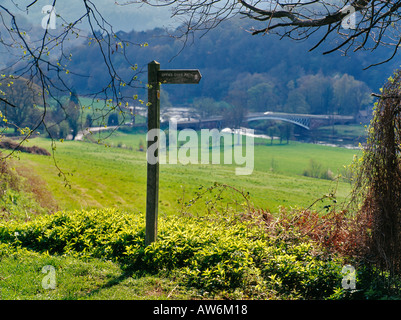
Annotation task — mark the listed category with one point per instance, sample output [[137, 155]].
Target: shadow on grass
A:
[[143, 285]]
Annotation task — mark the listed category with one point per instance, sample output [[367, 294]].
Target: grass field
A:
[[111, 176], [77, 278]]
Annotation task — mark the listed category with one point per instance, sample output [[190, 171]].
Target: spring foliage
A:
[[212, 255]]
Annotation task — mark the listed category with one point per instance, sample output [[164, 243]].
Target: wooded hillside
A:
[[268, 73]]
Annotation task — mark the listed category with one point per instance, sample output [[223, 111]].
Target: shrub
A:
[[10, 144], [300, 270], [215, 256], [315, 170], [337, 232], [212, 258], [79, 232]]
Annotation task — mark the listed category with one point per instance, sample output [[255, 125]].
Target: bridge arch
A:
[[304, 123]]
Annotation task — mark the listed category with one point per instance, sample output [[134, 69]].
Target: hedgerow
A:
[[214, 255]]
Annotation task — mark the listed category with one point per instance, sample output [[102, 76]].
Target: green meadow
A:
[[84, 175]]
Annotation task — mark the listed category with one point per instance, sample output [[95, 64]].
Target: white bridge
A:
[[306, 121]]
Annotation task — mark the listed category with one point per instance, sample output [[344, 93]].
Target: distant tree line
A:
[[312, 94], [22, 112], [240, 74], [268, 74]]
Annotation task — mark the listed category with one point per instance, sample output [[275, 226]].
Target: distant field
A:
[[102, 176], [356, 130]]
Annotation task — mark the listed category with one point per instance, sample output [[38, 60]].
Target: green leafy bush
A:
[[212, 255], [298, 270], [100, 233], [315, 170]]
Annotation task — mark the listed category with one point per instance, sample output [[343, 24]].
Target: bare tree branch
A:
[[42, 57], [375, 22]]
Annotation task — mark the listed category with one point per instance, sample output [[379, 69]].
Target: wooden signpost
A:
[[156, 77]]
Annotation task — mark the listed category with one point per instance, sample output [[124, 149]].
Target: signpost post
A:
[[156, 77]]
